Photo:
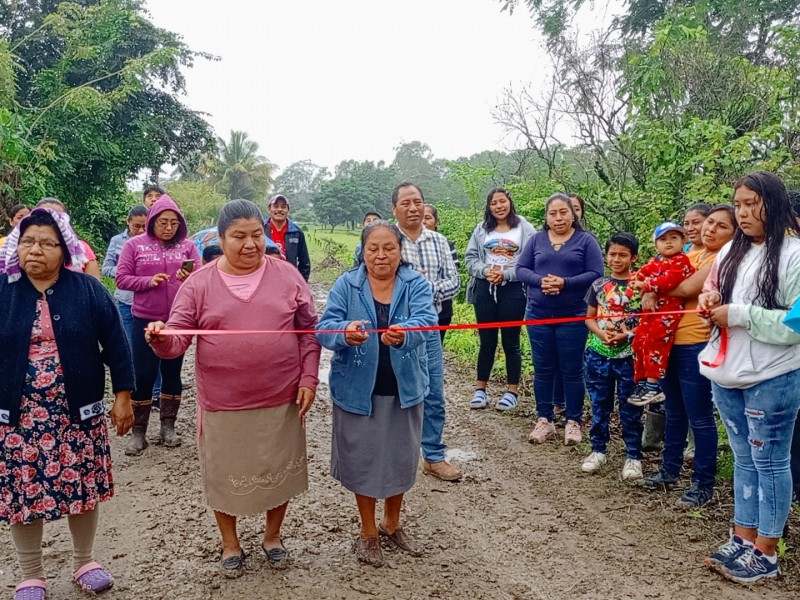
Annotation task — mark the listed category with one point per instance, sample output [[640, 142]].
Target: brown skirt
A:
[[252, 461]]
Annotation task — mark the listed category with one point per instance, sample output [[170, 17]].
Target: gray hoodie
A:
[[475, 257]]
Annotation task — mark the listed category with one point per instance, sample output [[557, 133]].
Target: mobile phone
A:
[[188, 265]]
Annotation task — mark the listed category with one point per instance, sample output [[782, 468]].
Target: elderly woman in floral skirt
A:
[[59, 329]]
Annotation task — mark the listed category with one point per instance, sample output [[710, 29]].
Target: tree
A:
[[300, 181], [357, 188], [745, 27], [93, 95], [198, 201], [238, 170], [671, 118]]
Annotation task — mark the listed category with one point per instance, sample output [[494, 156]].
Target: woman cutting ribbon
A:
[[378, 383], [251, 439]]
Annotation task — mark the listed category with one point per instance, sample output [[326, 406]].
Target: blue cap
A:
[[665, 227]]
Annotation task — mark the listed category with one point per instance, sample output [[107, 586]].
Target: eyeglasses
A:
[[48, 245], [170, 224]]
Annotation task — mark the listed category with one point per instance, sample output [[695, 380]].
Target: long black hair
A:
[[489, 221], [778, 219], [564, 198], [584, 223]]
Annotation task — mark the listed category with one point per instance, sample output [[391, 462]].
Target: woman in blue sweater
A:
[[558, 266]]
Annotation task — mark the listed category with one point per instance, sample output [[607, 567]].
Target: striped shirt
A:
[[430, 255]]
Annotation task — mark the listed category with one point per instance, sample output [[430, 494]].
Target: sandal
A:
[[31, 589], [479, 399], [93, 578], [233, 566], [507, 402], [277, 558]]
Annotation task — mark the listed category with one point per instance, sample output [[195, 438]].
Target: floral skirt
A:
[[50, 466]]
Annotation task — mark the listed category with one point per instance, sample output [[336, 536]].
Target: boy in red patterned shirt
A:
[[656, 333]]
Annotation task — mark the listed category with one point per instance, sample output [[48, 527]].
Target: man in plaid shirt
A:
[[428, 252]]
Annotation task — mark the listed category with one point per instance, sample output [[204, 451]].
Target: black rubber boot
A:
[[653, 436], [141, 417], [169, 413]]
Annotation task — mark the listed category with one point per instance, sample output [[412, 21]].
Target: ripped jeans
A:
[[759, 421]]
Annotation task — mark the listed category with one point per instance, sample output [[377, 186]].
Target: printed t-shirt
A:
[[502, 248], [619, 305]]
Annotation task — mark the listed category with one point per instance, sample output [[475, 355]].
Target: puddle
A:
[[460, 455]]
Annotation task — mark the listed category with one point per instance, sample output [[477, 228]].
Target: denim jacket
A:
[[354, 368]]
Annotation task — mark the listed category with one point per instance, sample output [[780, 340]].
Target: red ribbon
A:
[[492, 325], [723, 350]]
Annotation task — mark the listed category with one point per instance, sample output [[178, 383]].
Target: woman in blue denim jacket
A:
[[378, 383]]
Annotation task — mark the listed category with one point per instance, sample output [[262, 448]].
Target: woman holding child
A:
[[687, 393], [754, 281]]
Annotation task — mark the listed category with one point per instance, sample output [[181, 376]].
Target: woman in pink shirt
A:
[[253, 390]]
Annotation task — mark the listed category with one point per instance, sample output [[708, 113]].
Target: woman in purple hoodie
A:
[[153, 266]]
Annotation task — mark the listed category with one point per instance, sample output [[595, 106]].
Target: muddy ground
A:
[[524, 523]]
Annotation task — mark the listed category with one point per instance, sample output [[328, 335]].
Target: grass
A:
[[321, 241]]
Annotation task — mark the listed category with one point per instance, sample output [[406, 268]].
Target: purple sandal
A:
[[93, 578], [31, 589]]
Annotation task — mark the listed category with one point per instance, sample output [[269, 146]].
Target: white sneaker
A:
[[632, 470], [593, 462]]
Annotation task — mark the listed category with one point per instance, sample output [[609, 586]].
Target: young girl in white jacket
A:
[[754, 281]]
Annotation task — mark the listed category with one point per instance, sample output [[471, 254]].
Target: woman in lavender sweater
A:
[[559, 265]]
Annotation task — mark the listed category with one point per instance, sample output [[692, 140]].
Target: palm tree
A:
[[238, 170]]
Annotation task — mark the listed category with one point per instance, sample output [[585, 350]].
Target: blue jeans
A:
[[127, 324], [796, 459], [687, 404], [558, 348], [760, 421], [604, 376], [127, 320], [433, 414]]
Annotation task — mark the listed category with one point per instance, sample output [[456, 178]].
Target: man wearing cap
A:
[[287, 235], [655, 334], [428, 252]]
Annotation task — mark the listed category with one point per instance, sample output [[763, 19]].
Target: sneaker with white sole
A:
[[593, 462], [543, 430], [643, 394], [750, 566], [632, 470], [572, 434], [729, 551]]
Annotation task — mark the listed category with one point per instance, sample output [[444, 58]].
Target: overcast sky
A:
[[329, 80]]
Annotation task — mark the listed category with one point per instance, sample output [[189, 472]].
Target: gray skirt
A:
[[377, 456]]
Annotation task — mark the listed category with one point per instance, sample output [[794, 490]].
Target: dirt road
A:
[[523, 524]]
